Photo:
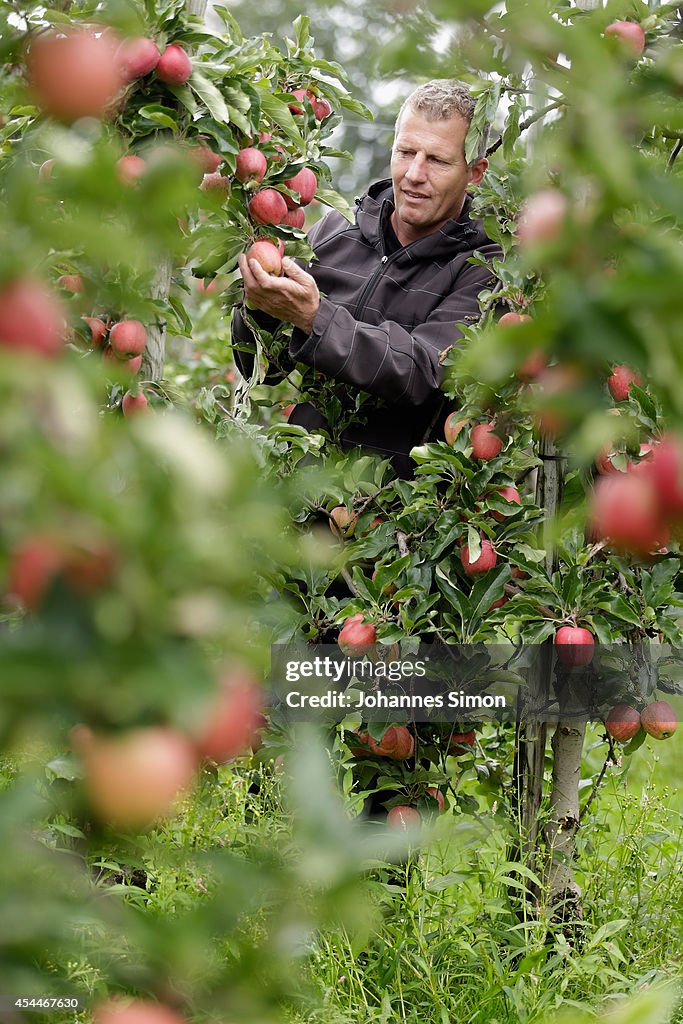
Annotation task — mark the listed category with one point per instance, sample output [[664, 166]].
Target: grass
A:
[[441, 940]]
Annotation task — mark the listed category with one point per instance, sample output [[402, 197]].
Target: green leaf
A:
[[211, 97], [329, 197], [636, 742], [229, 21], [183, 93], [484, 113], [473, 543], [69, 830], [159, 114], [356, 107], [302, 29], [618, 607], [530, 554], [280, 113], [452, 592], [181, 313], [487, 589]]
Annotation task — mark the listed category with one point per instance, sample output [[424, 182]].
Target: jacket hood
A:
[[461, 235]]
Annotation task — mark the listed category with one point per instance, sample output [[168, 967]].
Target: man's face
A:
[[429, 174]]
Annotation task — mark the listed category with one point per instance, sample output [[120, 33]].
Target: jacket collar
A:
[[461, 235]]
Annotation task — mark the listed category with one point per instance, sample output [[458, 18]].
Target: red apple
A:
[[624, 509], [485, 443], [299, 94], [514, 319], [305, 183], [267, 255], [603, 461], [132, 404], [486, 560], [623, 722], [127, 338], [206, 159], [659, 720], [130, 168], [89, 565], [437, 795], [542, 217], [137, 57], [251, 165], [268, 207], [72, 283], [629, 34], [98, 331], [234, 719], [135, 1011], [215, 184], [404, 818], [295, 218], [321, 108], [665, 471], [74, 72], [342, 522], [459, 741], [132, 365], [510, 494], [137, 777], [31, 318], [574, 645], [364, 737], [534, 364], [398, 743], [287, 411], [34, 564], [452, 427], [357, 637], [519, 574], [619, 383], [174, 67]]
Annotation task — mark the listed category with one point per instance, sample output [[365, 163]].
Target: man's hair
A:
[[441, 99]]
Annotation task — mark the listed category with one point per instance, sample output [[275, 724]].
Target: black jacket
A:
[[384, 320]]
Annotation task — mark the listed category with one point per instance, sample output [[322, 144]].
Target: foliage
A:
[[180, 563]]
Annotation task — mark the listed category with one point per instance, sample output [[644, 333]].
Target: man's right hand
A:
[[294, 297]]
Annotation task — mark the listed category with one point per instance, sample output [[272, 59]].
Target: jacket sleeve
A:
[[243, 341], [388, 360]]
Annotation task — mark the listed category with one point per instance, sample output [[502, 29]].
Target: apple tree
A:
[[134, 544], [550, 513]]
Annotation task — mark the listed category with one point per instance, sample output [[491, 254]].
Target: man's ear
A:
[[477, 170]]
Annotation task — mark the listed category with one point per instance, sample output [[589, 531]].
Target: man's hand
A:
[[294, 297]]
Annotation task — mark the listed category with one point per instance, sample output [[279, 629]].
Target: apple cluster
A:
[[74, 72], [658, 719]]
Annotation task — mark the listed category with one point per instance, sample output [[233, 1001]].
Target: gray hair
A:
[[441, 99]]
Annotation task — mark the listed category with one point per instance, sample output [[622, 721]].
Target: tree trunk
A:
[[567, 743], [154, 356], [560, 831]]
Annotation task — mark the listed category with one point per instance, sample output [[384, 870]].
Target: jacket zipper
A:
[[384, 262]]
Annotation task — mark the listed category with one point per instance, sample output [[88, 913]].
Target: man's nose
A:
[[417, 170]]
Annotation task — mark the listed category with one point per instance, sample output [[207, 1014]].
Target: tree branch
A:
[[528, 123], [610, 760]]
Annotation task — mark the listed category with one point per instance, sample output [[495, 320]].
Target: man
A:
[[381, 302]]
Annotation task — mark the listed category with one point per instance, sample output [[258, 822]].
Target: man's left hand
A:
[[293, 297]]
